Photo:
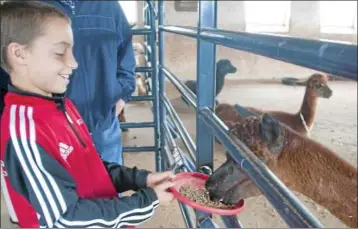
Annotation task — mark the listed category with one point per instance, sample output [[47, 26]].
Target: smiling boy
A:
[[52, 175]]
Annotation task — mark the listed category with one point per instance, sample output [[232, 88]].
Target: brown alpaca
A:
[[303, 120], [302, 164]]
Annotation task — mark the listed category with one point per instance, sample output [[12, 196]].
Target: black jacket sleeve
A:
[[125, 178], [51, 190]]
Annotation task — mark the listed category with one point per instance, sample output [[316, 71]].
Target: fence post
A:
[[205, 88], [161, 77]]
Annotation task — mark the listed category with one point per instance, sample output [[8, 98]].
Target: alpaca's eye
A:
[[319, 86]]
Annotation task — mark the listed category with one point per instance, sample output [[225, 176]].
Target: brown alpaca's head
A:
[[265, 137], [318, 85], [227, 113]]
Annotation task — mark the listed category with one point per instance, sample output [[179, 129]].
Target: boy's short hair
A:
[[22, 22]]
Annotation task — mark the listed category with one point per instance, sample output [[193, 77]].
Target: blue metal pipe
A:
[[186, 216], [146, 37], [141, 31], [183, 89], [183, 133], [155, 89], [139, 149], [137, 125], [180, 30], [143, 69], [205, 221], [287, 205], [175, 154], [334, 58], [231, 222], [149, 49], [205, 88], [141, 98], [169, 156], [189, 167], [188, 164], [161, 77], [172, 161]]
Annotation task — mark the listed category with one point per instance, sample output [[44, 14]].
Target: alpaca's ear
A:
[[271, 133]]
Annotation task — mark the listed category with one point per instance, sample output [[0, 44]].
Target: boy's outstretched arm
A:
[[51, 190], [125, 178]]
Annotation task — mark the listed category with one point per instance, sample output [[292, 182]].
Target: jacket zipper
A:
[[70, 122]]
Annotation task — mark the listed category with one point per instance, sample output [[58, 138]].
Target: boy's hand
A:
[[157, 178], [163, 195]]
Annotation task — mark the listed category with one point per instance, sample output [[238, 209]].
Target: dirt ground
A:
[[335, 127]]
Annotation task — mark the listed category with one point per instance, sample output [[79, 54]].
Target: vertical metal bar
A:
[[206, 55], [146, 24], [162, 112], [155, 88], [145, 4]]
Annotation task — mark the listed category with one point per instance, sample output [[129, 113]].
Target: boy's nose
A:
[[72, 63], [75, 64]]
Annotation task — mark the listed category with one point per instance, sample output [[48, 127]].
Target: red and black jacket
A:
[[52, 175]]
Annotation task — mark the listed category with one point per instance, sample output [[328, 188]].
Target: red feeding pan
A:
[[198, 180]]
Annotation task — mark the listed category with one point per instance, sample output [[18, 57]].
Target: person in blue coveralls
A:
[[105, 77]]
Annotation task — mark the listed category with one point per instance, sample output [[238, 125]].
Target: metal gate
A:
[[333, 58]]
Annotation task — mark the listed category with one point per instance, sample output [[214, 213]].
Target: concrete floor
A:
[[336, 127]]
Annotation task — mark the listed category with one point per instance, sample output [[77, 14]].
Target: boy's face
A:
[[50, 60]]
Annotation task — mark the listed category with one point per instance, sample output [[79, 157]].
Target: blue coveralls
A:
[[103, 49]]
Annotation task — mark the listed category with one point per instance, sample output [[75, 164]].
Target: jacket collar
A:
[[33, 98]]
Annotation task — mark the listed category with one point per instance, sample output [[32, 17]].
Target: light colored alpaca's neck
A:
[[315, 171], [307, 111]]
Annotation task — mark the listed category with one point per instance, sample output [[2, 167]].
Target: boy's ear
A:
[[17, 53]]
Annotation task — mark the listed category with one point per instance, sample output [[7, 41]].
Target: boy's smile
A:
[[66, 77]]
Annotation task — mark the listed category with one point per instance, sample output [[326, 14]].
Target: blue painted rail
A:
[[150, 73], [329, 57]]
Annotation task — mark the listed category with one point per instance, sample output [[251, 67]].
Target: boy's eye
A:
[[59, 54]]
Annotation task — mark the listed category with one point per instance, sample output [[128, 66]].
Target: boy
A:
[[52, 175]]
